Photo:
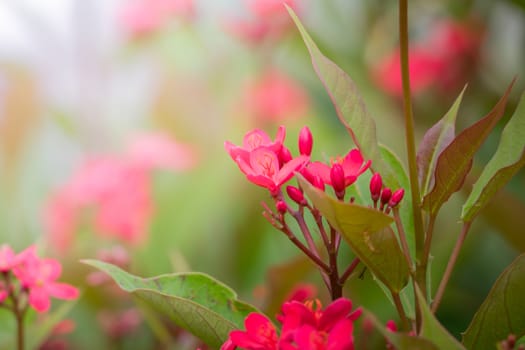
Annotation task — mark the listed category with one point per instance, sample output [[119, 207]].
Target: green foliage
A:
[[503, 312], [349, 105], [454, 163], [194, 301], [432, 330], [508, 159], [435, 140], [367, 232]]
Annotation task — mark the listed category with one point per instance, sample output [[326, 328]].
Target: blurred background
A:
[[113, 115]]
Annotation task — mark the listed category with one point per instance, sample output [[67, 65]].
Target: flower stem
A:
[[450, 266], [421, 274], [403, 239], [401, 311]]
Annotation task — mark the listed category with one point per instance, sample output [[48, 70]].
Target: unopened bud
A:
[[318, 182], [337, 176], [397, 196], [296, 195], [376, 183], [281, 207], [285, 155], [386, 194], [305, 141]]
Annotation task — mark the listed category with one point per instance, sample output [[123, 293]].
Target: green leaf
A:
[[503, 312], [349, 105], [454, 163], [508, 159], [435, 140], [434, 331], [405, 208], [367, 232], [196, 302]]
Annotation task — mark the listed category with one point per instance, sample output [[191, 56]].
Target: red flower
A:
[[252, 140], [260, 334], [353, 165]]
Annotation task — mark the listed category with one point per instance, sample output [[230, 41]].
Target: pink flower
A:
[[254, 139], [269, 20], [39, 276], [260, 334], [144, 17], [263, 168], [160, 151], [8, 258], [443, 59], [353, 165], [275, 97]]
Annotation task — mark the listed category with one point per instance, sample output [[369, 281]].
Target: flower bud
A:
[[396, 197], [281, 207], [296, 195], [376, 183], [337, 176], [305, 141], [318, 182], [284, 155], [386, 194]]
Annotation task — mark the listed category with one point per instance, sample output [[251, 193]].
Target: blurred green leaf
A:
[[508, 159], [39, 332], [434, 331], [196, 302], [435, 140], [349, 105], [399, 340], [454, 163], [367, 232], [503, 312], [405, 208]]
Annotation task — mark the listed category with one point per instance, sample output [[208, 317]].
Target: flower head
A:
[[254, 139], [352, 165], [260, 334]]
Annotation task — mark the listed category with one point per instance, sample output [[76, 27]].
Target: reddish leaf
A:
[[434, 142], [455, 161]]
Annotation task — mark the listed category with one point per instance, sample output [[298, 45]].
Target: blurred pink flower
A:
[[144, 17], [114, 194], [269, 20], [8, 258], [39, 276], [275, 97], [443, 60], [117, 324]]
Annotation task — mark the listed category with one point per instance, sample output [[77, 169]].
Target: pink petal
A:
[[290, 168], [62, 291], [50, 269], [264, 161], [340, 337], [254, 139], [321, 170], [336, 311], [39, 299]]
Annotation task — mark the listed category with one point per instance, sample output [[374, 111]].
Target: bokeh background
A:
[[113, 116]]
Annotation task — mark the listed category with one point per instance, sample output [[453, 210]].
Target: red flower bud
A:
[[376, 183], [305, 141], [386, 194], [337, 176], [296, 195], [285, 155], [317, 182], [281, 207], [396, 197]]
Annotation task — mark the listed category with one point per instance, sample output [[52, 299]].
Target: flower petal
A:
[[62, 291]]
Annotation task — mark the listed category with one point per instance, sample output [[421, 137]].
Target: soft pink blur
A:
[[113, 193], [276, 97], [144, 17], [268, 20], [443, 60]]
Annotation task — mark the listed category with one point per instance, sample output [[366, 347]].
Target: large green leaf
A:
[[401, 341], [434, 331], [508, 159], [367, 232], [349, 105], [503, 312], [194, 301], [454, 163], [435, 140]]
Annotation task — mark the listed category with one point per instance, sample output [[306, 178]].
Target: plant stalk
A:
[[450, 266]]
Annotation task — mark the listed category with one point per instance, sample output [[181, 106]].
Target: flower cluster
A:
[[27, 279], [304, 326]]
